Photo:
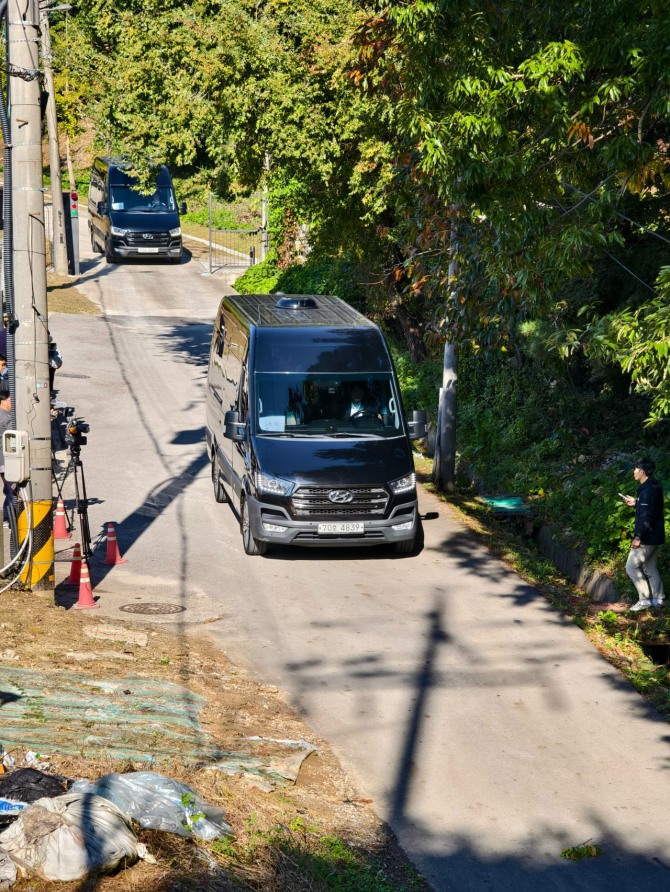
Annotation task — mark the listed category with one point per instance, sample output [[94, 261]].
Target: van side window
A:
[[95, 191], [220, 335], [218, 343], [243, 399]]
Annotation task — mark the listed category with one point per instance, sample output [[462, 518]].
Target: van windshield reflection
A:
[[127, 198], [327, 405]]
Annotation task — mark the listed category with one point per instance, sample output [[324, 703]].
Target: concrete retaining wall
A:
[[597, 586]]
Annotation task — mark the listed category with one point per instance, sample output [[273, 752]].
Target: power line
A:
[[630, 271], [619, 214]]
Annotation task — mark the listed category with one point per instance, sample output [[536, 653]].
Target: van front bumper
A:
[[272, 523], [124, 250]]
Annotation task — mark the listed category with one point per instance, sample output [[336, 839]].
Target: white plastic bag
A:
[[159, 803], [7, 872], [72, 836]]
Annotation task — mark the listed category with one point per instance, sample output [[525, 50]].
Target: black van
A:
[[305, 428], [126, 221]]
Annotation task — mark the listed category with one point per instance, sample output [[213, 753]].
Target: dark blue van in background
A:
[[127, 221]]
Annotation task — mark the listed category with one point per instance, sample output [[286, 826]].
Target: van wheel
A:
[[251, 545], [94, 244], [407, 546], [219, 492], [110, 255]]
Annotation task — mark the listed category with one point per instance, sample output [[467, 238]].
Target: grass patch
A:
[[578, 853], [296, 856]]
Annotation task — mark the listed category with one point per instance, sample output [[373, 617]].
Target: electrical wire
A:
[[629, 271], [27, 544], [589, 197]]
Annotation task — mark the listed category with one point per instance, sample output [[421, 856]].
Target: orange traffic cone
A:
[[113, 555], [75, 567], [60, 523], [85, 601]]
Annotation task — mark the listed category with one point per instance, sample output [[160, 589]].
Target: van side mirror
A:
[[102, 208], [233, 429], [182, 208], [417, 424]]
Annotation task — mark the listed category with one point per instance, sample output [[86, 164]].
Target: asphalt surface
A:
[[484, 726]]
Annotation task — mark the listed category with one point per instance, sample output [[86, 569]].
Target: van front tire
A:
[[110, 254], [251, 546], [407, 546]]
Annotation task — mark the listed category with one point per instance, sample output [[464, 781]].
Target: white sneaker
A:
[[641, 605], [658, 602]]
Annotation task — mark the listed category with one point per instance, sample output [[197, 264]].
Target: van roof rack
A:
[[318, 311]]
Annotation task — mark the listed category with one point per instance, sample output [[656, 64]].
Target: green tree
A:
[[526, 123]]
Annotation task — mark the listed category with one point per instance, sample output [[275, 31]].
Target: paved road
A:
[[484, 726]]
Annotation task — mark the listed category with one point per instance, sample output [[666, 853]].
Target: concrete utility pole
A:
[[58, 242], [444, 466], [32, 398]]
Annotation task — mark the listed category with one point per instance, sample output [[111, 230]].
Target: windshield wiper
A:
[[283, 434], [352, 435]]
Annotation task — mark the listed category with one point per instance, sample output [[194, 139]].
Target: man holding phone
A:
[[648, 534]]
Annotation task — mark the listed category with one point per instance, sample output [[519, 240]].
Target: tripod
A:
[[81, 500]]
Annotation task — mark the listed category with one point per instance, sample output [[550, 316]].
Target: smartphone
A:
[[622, 495]]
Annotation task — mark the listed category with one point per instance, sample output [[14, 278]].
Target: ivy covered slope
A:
[[495, 175]]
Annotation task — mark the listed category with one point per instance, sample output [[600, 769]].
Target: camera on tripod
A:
[[74, 435]]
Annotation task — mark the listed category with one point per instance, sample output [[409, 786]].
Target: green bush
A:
[[336, 276], [261, 278], [222, 218], [419, 383]]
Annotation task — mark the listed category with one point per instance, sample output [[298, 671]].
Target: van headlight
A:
[[273, 485], [175, 232], [117, 231], [403, 484]]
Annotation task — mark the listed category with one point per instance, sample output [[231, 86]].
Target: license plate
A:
[[147, 250], [325, 528]]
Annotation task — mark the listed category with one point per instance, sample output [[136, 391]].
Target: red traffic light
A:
[[74, 196]]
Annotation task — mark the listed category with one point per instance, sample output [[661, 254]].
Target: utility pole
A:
[[58, 242], [444, 466], [265, 239], [32, 398]]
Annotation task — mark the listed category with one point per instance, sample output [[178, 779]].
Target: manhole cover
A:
[[152, 609]]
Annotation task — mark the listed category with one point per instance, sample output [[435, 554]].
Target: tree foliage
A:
[[242, 92], [522, 127], [510, 140]]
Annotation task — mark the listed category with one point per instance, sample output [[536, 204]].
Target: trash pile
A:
[[59, 829]]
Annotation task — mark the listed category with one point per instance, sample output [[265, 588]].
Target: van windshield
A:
[[126, 196], [341, 405]]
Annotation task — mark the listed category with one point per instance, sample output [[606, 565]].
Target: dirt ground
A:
[[35, 635]]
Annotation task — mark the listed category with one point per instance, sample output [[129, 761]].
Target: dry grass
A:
[[279, 835], [63, 296]]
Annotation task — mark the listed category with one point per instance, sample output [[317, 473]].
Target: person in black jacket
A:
[[648, 534]]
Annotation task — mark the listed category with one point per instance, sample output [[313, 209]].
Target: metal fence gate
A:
[[237, 248]]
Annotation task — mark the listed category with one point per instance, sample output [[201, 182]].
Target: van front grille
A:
[[313, 501], [148, 239]]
